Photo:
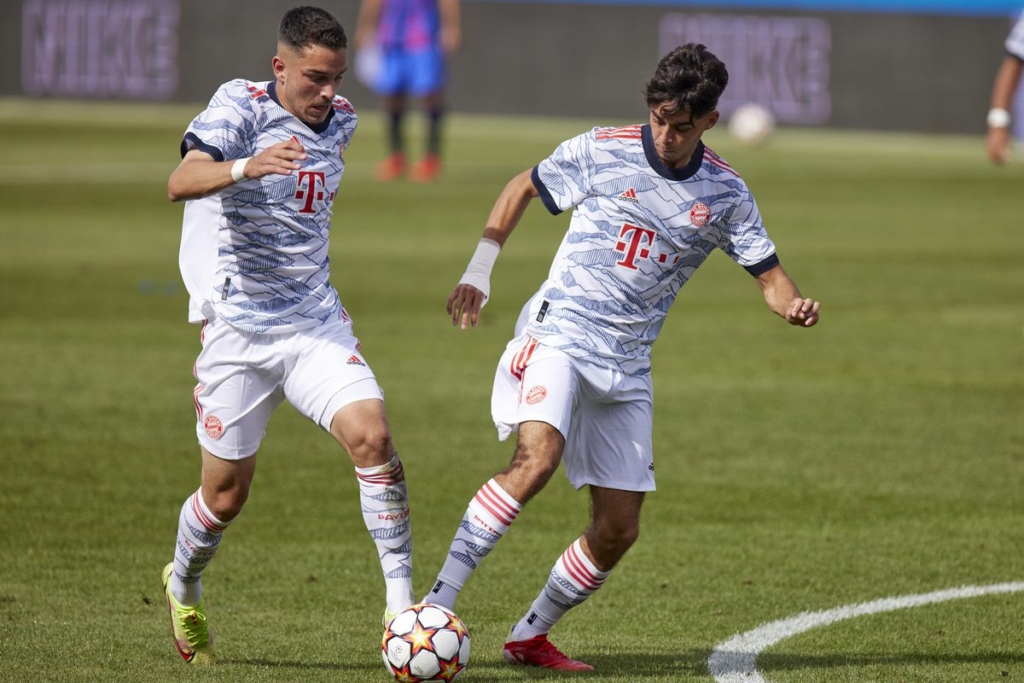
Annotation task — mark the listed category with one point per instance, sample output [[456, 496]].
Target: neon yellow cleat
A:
[[385, 620], [193, 636]]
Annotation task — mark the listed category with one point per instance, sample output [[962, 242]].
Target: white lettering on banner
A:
[[124, 49], [779, 62]]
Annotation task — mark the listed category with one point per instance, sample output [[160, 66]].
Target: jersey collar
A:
[[660, 167], [315, 127]]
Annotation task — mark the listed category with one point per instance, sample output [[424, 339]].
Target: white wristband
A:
[[998, 118], [238, 169], [478, 272]]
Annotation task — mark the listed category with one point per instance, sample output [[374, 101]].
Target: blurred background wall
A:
[[916, 65]]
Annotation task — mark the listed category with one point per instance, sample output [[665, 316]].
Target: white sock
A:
[[385, 504], [487, 518], [199, 534], [573, 579]]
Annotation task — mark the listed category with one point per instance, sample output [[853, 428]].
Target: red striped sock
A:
[[487, 518], [199, 534], [573, 579]]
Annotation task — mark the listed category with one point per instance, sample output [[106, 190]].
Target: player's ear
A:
[[713, 118], [278, 65]]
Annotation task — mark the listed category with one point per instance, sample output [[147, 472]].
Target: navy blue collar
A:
[[660, 167], [315, 127]]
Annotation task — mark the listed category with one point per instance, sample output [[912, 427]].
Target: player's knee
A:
[[617, 538], [371, 446], [533, 463], [227, 503]]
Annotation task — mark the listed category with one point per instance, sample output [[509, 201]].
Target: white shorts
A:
[[606, 417], [244, 376]]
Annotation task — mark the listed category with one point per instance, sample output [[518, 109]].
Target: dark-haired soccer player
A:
[[259, 174], [650, 203]]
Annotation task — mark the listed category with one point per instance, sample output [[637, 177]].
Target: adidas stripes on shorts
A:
[[244, 376]]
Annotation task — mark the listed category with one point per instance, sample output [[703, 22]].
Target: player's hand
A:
[[283, 158], [998, 142], [803, 312], [464, 304]]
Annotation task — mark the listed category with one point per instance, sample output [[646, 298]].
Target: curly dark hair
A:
[[305, 26], [689, 78]]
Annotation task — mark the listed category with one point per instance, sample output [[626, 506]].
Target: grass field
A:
[[878, 454]]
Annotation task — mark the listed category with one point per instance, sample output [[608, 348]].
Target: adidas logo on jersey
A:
[[354, 360], [629, 196]]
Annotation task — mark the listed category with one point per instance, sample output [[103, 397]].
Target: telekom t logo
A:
[[631, 245], [310, 188]]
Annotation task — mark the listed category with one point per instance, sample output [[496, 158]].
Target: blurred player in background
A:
[[414, 38], [650, 203], [1000, 137], [259, 174]]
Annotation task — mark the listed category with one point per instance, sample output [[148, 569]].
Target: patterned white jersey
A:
[[255, 253], [1015, 41], [638, 232]]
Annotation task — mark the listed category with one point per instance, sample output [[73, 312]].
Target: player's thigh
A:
[[426, 72], [239, 387], [610, 443], [533, 383], [329, 372]]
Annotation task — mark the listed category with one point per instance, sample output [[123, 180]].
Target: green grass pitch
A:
[[878, 454]]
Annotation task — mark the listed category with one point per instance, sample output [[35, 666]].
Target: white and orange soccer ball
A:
[[751, 124], [425, 643]]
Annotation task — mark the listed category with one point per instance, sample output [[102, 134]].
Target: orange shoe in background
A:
[[426, 169], [391, 168]]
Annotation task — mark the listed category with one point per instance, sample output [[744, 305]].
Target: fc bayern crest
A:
[[214, 427], [700, 214]]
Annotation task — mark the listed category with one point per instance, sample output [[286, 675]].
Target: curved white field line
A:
[[733, 661]]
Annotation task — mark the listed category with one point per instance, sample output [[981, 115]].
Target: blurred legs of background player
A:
[[424, 72]]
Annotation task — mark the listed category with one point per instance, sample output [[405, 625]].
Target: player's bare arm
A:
[[470, 295], [199, 174], [998, 137], [451, 26], [366, 24], [784, 299]]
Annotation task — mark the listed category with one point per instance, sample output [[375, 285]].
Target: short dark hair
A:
[[687, 78], [305, 26]]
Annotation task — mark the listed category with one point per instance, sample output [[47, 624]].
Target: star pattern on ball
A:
[[457, 626], [420, 637], [449, 670]]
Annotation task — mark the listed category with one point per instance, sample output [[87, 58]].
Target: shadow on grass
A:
[[369, 671], [631, 666], [779, 662]]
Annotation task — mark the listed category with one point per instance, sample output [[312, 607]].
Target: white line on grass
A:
[[734, 660]]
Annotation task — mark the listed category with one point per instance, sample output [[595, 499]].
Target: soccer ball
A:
[[425, 643], [751, 124]]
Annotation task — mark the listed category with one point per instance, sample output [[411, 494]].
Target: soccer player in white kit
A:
[[650, 203], [259, 174], [1003, 91]]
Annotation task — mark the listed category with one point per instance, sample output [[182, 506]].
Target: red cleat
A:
[[539, 651], [426, 169], [391, 168]]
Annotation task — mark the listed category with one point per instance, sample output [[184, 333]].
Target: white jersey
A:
[[638, 232], [1015, 41], [255, 253]]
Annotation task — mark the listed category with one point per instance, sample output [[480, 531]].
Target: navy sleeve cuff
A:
[[192, 142], [545, 196], [763, 266]]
